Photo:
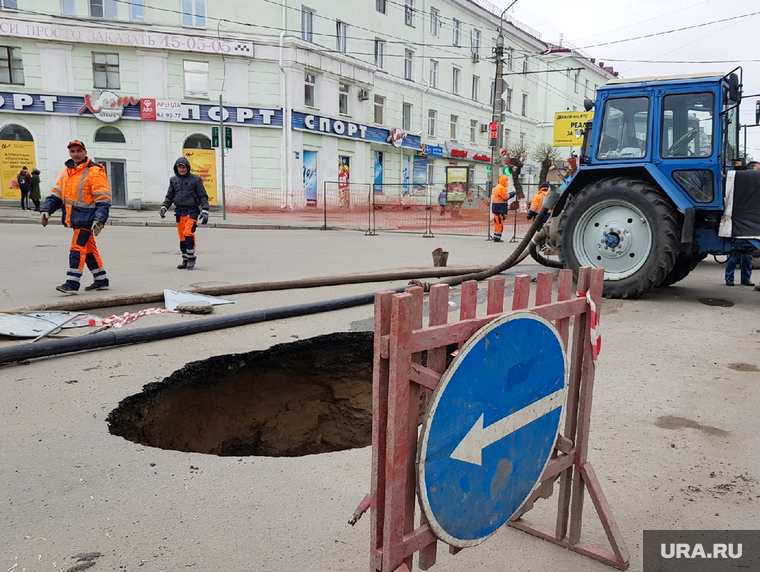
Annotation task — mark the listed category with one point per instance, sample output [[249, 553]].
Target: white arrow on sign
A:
[[470, 449]]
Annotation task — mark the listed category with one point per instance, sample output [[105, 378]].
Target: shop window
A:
[[309, 89], [103, 9], [197, 142], [194, 13], [14, 132], [196, 79], [105, 71], [109, 135], [11, 65]]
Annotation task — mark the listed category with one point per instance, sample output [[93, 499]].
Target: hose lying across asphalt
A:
[[112, 338]]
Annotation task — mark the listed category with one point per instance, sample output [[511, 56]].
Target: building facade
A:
[[378, 92]]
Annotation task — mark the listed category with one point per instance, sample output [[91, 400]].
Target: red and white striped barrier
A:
[[119, 321]]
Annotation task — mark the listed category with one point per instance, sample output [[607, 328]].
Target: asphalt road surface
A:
[[673, 435]]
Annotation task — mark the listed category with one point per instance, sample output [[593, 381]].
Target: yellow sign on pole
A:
[[13, 156], [203, 164], [568, 127]]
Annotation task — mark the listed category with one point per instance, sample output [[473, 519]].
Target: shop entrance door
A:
[[117, 178]]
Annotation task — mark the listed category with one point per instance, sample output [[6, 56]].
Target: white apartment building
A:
[[381, 92]]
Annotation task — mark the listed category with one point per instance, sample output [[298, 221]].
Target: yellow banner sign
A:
[[13, 156], [568, 127], [203, 164]]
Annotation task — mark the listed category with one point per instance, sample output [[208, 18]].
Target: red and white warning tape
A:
[[119, 321], [596, 336]]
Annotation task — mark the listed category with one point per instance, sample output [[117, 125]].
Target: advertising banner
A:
[[203, 164], [344, 176], [420, 175], [378, 180], [13, 156], [457, 183], [568, 127], [310, 177]]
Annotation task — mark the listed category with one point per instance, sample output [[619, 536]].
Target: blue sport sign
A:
[[491, 427]]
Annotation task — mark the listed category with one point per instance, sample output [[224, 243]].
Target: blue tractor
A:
[[661, 183]]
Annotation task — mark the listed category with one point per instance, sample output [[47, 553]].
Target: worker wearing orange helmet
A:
[[499, 207]]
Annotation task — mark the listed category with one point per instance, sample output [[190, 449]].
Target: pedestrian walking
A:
[[187, 193], [34, 192], [84, 197], [442, 201], [741, 254], [24, 184]]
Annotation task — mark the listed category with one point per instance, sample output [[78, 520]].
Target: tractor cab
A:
[[661, 183]]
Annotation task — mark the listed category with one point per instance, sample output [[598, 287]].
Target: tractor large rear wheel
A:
[[625, 226], [685, 263]]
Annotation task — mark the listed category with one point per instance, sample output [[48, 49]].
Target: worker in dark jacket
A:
[[83, 194], [187, 193]]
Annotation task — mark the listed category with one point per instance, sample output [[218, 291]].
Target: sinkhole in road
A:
[[300, 398]]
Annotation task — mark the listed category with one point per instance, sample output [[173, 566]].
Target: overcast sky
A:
[[724, 34]]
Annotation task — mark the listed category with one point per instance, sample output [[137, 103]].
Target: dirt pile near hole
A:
[[305, 397]]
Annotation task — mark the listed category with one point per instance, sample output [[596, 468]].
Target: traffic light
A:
[[493, 134], [228, 137], [507, 172], [757, 112], [215, 137]]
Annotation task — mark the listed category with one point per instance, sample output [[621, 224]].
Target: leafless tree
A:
[[546, 155]]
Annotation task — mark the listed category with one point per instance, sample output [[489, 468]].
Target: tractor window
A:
[[687, 125], [625, 128]]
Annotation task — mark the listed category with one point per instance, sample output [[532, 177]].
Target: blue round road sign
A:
[[491, 427]]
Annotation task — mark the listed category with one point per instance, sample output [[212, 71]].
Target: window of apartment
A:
[[430, 173], [507, 138], [379, 110], [101, 9], [105, 71], [380, 54], [433, 73], [380, 6], [453, 127], [194, 13], [475, 87], [456, 75], [408, 61], [475, 42], [406, 117], [473, 129], [522, 140], [525, 64], [409, 12], [67, 7], [8, 5], [508, 100], [432, 117], [137, 10], [585, 88], [196, 79], [11, 65], [343, 91], [492, 97], [341, 31], [309, 89], [577, 81], [435, 17], [456, 28], [510, 53], [307, 24], [524, 109]]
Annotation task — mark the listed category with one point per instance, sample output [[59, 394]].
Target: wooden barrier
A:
[[399, 379]]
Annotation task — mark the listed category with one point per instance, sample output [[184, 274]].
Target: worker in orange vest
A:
[[535, 205], [499, 207]]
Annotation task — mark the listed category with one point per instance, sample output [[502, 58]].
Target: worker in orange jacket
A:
[[535, 205], [499, 207], [84, 197]]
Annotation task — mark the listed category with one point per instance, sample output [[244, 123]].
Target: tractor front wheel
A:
[[625, 226]]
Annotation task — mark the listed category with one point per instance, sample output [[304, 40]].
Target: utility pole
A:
[[222, 147], [496, 128]]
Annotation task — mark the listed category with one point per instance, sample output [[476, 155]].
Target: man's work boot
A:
[[66, 288], [97, 285], [190, 263], [183, 265]]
